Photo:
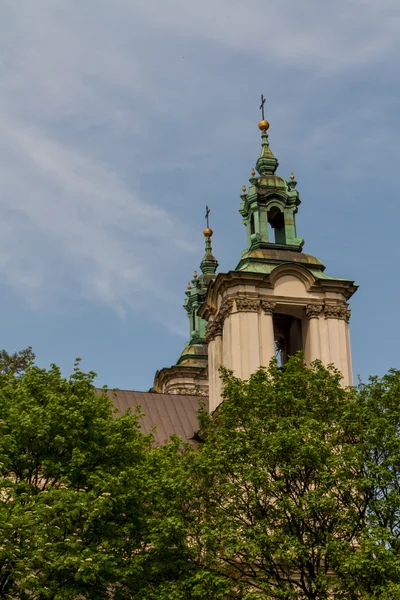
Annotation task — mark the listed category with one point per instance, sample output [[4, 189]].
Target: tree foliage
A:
[[292, 494], [78, 493], [17, 362], [295, 490]]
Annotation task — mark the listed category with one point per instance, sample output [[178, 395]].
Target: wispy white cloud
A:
[[86, 85], [65, 211]]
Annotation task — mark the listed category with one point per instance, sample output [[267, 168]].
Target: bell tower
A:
[[277, 300]]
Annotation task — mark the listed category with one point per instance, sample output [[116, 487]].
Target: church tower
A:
[[189, 376], [278, 300]]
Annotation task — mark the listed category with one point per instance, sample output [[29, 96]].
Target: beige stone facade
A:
[[253, 317]]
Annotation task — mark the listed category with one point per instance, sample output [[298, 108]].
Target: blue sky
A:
[[121, 120]]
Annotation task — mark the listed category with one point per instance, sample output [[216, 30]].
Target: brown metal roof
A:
[[169, 413]]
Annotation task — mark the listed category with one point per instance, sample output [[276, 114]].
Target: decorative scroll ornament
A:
[[268, 307], [348, 315], [336, 311], [247, 304], [313, 310]]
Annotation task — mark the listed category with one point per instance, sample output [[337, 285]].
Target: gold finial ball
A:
[[208, 232], [195, 275], [243, 188], [189, 287], [263, 125], [253, 171], [292, 176]]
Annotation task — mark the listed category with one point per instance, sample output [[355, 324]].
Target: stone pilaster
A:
[[313, 312]]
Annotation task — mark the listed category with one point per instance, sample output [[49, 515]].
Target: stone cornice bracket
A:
[[214, 328], [336, 311], [313, 310], [268, 307], [244, 304]]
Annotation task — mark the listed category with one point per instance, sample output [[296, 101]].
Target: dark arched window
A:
[[252, 225], [277, 222]]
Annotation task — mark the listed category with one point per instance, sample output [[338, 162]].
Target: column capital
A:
[[214, 328], [314, 310], [268, 307], [244, 304], [336, 311]]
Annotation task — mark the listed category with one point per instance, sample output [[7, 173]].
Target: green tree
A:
[[18, 361], [79, 504], [279, 496], [374, 569], [293, 494]]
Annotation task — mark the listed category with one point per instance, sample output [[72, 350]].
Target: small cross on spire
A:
[[206, 217], [262, 105]]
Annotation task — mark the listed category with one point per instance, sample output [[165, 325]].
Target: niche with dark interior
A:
[[288, 337]]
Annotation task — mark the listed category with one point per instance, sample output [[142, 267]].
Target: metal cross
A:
[[207, 213], [262, 106]]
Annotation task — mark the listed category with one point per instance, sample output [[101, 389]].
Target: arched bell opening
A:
[[276, 222], [288, 336]]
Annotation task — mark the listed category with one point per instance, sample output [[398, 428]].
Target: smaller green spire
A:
[[209, 264], [197, 289], [267, 163]]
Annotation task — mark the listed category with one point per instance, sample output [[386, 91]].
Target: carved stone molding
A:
[[244, 304], [268, 307], [187, 391], [225, 309], [214, 327], [313, 310], [336, 311], [348, 315]]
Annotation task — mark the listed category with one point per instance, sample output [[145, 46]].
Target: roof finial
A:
[[263, 124], [209, 263], [208, 231], [262, 106]]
